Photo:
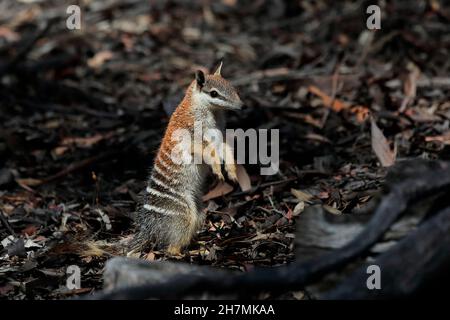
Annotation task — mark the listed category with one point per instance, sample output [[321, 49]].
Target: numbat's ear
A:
[[200, 78], [219, 69]]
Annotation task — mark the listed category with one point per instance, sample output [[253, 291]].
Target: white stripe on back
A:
[[162, 173], [149, 207], [156, 193], [165, 186]]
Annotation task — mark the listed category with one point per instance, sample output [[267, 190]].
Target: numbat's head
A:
[[213, 91]]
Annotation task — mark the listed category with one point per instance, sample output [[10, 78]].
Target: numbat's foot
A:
[[174, 250]]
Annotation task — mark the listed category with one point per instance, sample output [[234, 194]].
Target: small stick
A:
[[6, 223]]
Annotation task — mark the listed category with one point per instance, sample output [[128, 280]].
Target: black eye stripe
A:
[[218, 96], [215, 94]]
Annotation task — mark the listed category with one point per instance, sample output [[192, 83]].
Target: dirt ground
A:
[[82, 113]]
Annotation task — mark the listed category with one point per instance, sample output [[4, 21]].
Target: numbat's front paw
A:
[[220, 176], [218, 172], [231, 171]]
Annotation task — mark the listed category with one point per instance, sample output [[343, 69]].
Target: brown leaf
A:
[[29, 230], [243, 178], [445, 138], [150, 256], [99, 59], [301, 195], [30, 182], [332, 210], [8, 34], [83, 142], [410, 86], [221, 189], [380, 146], [299, 208], [335, 104]]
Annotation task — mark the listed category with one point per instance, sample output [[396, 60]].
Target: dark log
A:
[[123, 273], [419, 261]]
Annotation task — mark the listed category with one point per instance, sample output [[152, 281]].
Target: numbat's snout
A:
[[171, 214]]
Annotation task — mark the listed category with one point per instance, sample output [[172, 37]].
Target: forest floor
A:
[[82, 114]]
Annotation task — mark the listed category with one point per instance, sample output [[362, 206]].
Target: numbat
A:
[[171, 212]]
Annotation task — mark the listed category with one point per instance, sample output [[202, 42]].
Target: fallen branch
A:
[[408, 267]]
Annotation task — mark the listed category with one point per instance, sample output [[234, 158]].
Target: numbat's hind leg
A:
[[174, 250]]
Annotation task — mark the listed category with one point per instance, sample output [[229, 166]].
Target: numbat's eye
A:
[[214, 93]]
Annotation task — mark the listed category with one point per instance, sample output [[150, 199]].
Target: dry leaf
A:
[[361, 112], [445, 138], [301, 195], [9, 34], [29, 230], [299, 208], [380, 146], [298, 295], [99, 59], [335, 104], [332, 210], [410, 85], [84, 142], [59, 151], [150, 256], [230, 3], [30, 182], [243, 178], [221, 189]]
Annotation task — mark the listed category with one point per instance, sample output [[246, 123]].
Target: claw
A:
[[231, 171]]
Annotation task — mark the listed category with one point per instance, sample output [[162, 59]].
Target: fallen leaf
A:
[[99, 59], [380, 146], [31, 244], [361, 112], [243, 178], [84, 142], [30, 182], [335, 104], [8, 241], [298, 295], [59, 151], [230, 3], [332, 210], [410, 85], [8, 34], [29, 230], [301, 195], [299, 207], [445, 138], [221, 189]]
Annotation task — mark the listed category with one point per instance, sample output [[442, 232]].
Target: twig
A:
[[6, 223]]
